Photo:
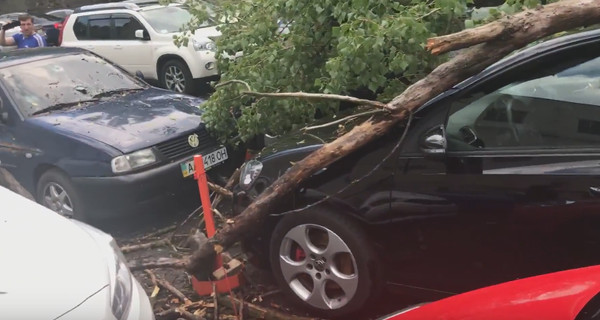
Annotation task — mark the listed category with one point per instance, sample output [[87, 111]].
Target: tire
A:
[[176, 76], [297, 270], [55, 191]]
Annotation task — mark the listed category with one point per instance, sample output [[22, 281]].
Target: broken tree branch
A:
[[175, 313], [153, 244], [159, 232], [220, 190], [348, 118], [167, 285], [564, 15], [318, 96], [160, 263]]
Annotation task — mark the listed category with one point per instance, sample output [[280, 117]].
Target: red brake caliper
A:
[[299, 254]]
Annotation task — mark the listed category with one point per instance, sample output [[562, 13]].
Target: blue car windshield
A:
[[66, 79]]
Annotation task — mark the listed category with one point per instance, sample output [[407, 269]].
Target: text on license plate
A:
[[210, 160]]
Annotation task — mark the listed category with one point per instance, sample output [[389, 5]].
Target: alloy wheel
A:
[[318, 266], [175, 79], [56, 198]]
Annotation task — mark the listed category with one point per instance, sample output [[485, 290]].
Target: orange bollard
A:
[[204, 288], [200, 175]]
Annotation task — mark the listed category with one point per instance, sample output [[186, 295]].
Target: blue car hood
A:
[[130, 122]]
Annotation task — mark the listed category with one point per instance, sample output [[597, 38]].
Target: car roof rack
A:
[[107, 6], [142, 3]]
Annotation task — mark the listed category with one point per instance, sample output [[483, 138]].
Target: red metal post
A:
[[200, 175]]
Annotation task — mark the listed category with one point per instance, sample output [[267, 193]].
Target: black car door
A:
[[512, 189]]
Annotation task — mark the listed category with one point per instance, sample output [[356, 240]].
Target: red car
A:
[[566, 295]]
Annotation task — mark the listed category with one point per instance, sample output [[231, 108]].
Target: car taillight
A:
[[58, 25], [62, 29]]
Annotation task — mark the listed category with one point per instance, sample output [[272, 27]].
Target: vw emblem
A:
[[193, 140]]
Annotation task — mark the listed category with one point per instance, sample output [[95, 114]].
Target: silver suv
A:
[[140, 38]]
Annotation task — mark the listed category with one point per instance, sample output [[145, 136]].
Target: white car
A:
[[56, 268], [140, 38]]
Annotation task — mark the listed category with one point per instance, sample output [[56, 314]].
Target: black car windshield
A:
[[169, 19], [63, 80]]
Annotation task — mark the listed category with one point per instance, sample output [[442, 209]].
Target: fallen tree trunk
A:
[[513, 33]]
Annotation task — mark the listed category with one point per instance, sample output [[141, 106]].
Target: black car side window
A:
[[125, 27], [557, 109]]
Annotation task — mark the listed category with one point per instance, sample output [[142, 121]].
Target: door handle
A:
[[118, 47], [89, 47], [594, 191]]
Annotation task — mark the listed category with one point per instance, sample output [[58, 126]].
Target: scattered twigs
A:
[[149, 245], [220, 190], [159, 232], [175, 313], [167, 285], [318, 96], [159, 263], [260, 312], [230, 183]]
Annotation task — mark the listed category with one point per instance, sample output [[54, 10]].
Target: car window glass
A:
[[80, 28], [99, 28], [171, 18], [125, 27], [557, 110], [42, 83]]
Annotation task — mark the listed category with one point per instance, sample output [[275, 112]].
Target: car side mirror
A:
[[433, 142], [142, 34], [139, 75]]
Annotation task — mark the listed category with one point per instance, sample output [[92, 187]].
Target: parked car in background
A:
[[60, 13], [89, 140], [566, 295], [54, 268], [497, 179], [140, 38], [46, 25]]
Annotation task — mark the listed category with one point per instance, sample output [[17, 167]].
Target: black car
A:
[[497, 179], [90, 140]]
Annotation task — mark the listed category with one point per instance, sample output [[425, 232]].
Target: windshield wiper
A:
[[63, 105], [115, 91]]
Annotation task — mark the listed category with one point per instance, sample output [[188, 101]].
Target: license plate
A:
[[210, 160]]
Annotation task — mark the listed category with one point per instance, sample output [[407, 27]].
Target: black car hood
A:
[[130, 122]]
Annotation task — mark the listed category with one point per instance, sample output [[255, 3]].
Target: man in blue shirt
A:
[[27, 38]]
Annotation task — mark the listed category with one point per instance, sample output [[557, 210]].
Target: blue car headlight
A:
[[137, 159]]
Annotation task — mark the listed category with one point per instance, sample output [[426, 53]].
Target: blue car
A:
[[89, 140]]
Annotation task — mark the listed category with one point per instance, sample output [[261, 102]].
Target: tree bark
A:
[[549, 19], [516, 32]]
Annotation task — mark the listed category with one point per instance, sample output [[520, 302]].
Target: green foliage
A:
[[368, 48]]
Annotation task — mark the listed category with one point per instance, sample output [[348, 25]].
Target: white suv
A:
[[141, 39]]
